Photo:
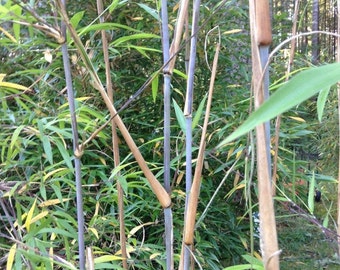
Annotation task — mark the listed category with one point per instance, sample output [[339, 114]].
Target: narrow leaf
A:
[[180, 116], [244, 267], [123, 183], [311, 193], [154, 87], [199, 112], [107, 258], [320, 105], [47, 148], [11, 256], [29, 216], [149, 10], [138, 36], [76, 19], [301, 87]]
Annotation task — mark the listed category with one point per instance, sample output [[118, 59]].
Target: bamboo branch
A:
[[157, 188], [195, 189], [115, 145]]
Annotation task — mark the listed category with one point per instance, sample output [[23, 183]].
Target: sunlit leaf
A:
[[52, 202], [298, 89], [30, 216], [11, 256], [107, 258], [94, 231]]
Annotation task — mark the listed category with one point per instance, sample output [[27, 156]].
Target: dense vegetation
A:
[[38, 209]]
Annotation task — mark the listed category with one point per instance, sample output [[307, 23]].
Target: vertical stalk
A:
[[115, 145], [188, 117], [261, 36], [77, 165], [168, 220]]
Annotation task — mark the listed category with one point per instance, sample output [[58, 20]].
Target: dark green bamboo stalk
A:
[[77, 165]]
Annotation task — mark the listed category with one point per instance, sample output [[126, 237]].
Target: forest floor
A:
[[305, 244]]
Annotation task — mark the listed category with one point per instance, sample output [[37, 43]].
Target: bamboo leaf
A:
[[301, 87], [107, 258], [138, 36], [15, 136], [11, 256], [47, 148], [151, 11], [311, 194], [180, 116], [154, 87], [105, 26], [199, 112], [52, 202], [29, 216], [123, 183], [244, 267], [76, 18], [320, 105]]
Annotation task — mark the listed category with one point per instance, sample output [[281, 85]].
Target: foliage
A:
[[37, 187]]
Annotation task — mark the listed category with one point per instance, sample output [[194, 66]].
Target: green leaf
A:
[[138, 36], [326, 219], [311, 194], [301, 87], [15, 136], [151, 11], [154, 87], [16, 26], [124, 184], [245, 267], [76, 18], [199, 112], [252, 260], [105, 26], [47, 148], [180, 116], [64, 153], [321, 102]]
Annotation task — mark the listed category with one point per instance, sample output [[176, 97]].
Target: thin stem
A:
[[115, 145], [77, 164]]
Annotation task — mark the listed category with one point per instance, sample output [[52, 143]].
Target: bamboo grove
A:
[[165, 135]]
